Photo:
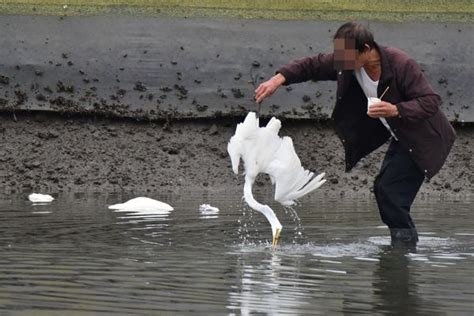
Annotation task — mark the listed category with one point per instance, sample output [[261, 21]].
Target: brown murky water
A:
[[77, 256]]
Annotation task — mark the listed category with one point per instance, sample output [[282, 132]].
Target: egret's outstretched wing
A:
[[291, 180], [263, 151], [240, 144], [253, 144]]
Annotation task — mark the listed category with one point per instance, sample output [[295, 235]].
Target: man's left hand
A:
[[382, 109]]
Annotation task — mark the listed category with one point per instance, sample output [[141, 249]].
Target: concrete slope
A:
[[157, 67]]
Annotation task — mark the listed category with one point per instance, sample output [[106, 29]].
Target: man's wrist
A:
[[395, 111], [279, 78]]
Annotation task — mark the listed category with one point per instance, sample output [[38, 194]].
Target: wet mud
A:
[[52, 153]]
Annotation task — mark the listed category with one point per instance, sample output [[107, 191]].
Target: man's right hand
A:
[[268, 87]]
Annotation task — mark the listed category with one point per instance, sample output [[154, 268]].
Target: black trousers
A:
[[395, 190]]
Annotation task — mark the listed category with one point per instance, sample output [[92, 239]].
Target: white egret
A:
[[142, 204], [40, 198], [263, 151]]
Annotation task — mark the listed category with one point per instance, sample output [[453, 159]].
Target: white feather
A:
[[207, 209], [264, 151], [142, 204], [40, 198]]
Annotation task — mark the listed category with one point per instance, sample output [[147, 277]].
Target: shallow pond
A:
[[77, 256]]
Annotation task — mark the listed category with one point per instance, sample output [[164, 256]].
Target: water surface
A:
[[77, 256]]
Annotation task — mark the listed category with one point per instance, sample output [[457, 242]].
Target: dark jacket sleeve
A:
[[319, 67], [421, 101]]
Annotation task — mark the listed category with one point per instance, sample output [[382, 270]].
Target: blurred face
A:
[[346, 56]]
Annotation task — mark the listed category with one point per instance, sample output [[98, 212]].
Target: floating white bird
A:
[[208, 212], [207, 209], [142, 204], [263, 151], [40, 198]]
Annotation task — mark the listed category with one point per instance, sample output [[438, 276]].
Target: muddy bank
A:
[[53, 153]]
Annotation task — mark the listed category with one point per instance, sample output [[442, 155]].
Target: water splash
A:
[[298, 230], [250, 231]]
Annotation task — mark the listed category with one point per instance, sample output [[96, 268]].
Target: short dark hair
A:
[[357, 32]]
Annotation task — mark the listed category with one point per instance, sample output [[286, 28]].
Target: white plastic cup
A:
[[371, 101]]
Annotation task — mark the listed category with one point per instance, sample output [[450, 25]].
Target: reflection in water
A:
[[264, 285], [395, 285], [79, 256], [136, 215], [152, 223], [40, 208]]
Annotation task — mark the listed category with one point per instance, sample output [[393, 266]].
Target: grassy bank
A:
[[384, 10]]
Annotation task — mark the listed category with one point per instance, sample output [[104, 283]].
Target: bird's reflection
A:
[[264, 287], [142, 215], [151, 224]]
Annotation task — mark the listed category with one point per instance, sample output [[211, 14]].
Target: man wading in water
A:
[[421, 134]]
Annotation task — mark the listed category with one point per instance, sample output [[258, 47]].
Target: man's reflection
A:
[[394, 285]]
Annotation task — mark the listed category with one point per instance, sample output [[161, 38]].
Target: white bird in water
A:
[[207, 209], [263, 151], [208, 212], [142, 204], [40, 198]]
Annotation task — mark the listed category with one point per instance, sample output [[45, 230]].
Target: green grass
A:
[[385, 10]]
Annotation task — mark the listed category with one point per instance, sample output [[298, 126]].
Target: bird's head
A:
[[274, 222], [276, 237]]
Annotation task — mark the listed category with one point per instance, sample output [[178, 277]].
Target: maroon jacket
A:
[[421, 127]]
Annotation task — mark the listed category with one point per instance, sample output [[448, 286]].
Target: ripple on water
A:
[[436, 251], [335, 250], [339, 250], [424, 241], [83, 257]]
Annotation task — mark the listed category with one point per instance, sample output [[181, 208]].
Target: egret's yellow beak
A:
[[275, 238]]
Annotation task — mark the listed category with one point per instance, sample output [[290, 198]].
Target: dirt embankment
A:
[[52, 153]]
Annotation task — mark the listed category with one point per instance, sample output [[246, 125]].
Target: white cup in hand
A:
[[371, 101]]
